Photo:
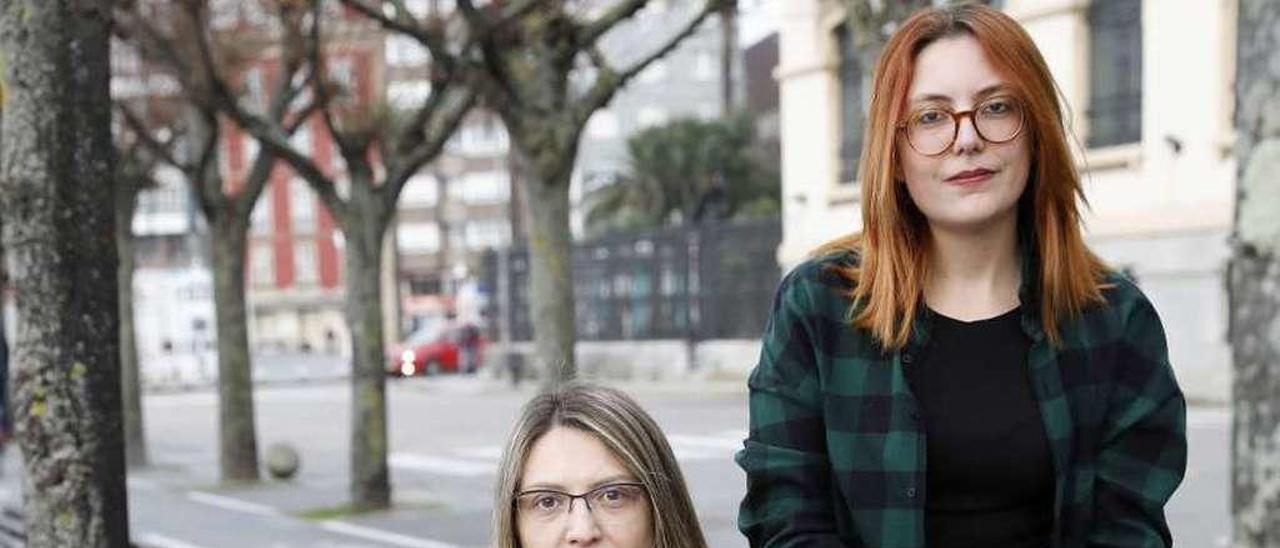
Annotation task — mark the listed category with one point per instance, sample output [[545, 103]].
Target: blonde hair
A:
[[630, 434], [888, 279]]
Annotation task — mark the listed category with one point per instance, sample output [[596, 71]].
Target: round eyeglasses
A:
[[932, 130], [606, 503]]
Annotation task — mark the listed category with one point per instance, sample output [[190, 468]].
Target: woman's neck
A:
[[976, 274]]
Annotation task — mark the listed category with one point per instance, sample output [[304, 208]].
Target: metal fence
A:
[[713, 281]]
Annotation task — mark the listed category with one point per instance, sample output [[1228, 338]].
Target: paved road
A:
[[446, 435]]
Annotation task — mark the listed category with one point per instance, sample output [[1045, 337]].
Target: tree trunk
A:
[[370, 482], [728, 55], [1254, 280], [56, 192], [551, 303], [237, 435], [135, 445]]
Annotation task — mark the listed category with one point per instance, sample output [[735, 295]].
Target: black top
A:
[[989, 472]]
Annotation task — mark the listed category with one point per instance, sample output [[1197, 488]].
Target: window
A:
[[487, 187], [261, 265], [487, 233], [260, 218], [405, 51], [408, 94], [851, 105], [302, 207], [251, 148], [420, 190], [1115, 72], [255, 89], [306, 269], [301, 140], [418, 237]]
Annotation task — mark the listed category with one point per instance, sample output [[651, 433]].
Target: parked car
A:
[[437, 348]]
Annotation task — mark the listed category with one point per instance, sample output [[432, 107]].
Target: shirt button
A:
[[906, 358], [911, 492]]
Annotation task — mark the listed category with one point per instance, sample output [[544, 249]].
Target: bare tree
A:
[[56, 163], [154, 28], [132, 175], [1254, 279], [380, 153], [538, 65]]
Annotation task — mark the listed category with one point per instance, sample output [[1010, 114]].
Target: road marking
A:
[[382, 536], [441, 465], [727, 444], [693, 454], [156, 540], [237, 505]]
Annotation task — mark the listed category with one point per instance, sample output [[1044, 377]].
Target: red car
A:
[[436, 349]]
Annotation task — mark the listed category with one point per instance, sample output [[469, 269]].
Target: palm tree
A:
[[687, 171]]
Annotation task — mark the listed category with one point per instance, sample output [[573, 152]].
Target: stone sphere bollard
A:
[[282, 461]]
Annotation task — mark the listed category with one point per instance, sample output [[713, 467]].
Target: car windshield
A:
[[426, 334]]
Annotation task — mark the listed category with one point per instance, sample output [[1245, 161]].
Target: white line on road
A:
[[441, 465], [228, 503], [727, 444], [156, 540], [382, 536]]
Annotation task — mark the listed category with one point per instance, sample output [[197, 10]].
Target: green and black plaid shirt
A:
[[836, 452]]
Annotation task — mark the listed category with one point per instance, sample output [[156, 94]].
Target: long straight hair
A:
[[628, 432], [887, 283]]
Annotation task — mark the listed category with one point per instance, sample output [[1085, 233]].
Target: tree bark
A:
[[55, 185], [551, 302], [135, 445], [370, 479], [237, 432], [1254, 280], [728, 55]]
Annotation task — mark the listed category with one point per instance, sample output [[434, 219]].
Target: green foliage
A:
[[687, 171]]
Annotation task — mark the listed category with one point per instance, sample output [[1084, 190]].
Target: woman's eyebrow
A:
[[942, 98], [534, 486]]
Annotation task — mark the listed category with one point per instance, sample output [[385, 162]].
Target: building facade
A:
[[1150, 109]]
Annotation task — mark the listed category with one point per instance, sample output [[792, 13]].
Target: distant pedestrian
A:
[[963, 372], [586, 466], [469, 342]]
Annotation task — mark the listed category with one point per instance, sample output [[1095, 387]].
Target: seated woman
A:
[[585, 465]]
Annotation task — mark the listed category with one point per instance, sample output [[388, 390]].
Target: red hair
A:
[[888, 281]]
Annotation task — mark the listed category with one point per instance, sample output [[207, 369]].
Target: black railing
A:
[[709, 282]]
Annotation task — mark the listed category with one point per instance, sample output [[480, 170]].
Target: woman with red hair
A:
[[964, 372]]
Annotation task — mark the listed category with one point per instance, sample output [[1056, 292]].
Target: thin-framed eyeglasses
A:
[[606, 503], [931, 130]]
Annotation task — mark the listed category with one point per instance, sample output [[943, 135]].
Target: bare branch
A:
[[163, 151], [434, 137], [609, 82], [589, 33], [430, 36], [272, 137]]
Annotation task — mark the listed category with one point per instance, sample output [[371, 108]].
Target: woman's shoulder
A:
[[1122, 294], [820, 286]]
